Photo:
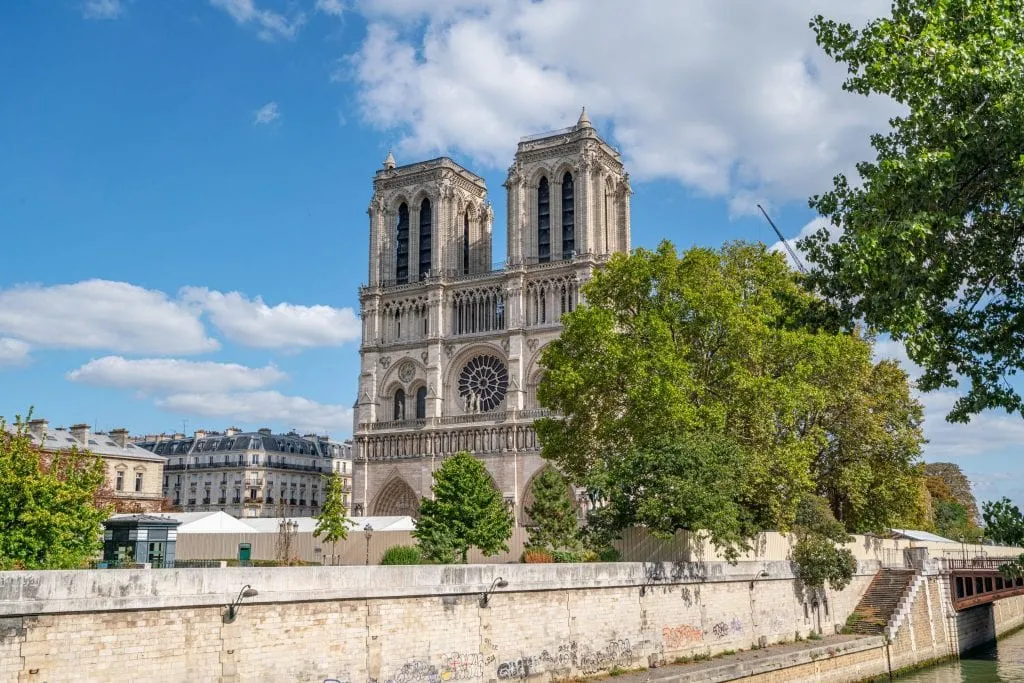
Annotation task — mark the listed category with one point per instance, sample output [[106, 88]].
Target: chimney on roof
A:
[[37, 428], [80, 432], [265, 431], [120, 437], [231, 431], [200, 434]]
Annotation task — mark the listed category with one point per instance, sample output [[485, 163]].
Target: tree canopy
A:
[[48, 519], [930, 244], [332, 523], [555, 522], [1004, 522], [466, 511], [711, 372]]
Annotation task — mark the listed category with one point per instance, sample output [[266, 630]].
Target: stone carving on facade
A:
[[425, 355], [532, 344], [385, 361], [504, 345], [406, 371], [449, 350]]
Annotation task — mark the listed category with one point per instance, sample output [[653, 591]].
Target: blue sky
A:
[[184, 184]]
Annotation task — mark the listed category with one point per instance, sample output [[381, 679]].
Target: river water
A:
[[998, 661]]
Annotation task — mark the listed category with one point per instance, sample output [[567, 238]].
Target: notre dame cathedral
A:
[[450, 342]]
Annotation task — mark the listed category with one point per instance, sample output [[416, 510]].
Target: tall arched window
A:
[[465, 244], [399, 405], [402, 263], [543, 222], [426, 223], [568, 217], [421, 403]]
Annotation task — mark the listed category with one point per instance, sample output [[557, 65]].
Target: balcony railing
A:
[[468, 418]]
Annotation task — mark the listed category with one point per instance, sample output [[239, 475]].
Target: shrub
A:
[[401, 554], [610, 554], [534, 556], [564, 556]]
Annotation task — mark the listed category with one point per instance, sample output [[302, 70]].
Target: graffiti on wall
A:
[[615, 653], [678, 637]]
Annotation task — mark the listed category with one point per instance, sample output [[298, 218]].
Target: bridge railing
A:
[[976, 563]]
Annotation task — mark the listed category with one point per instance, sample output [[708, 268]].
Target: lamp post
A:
[[368, 532], [246, 592], [485, 598]]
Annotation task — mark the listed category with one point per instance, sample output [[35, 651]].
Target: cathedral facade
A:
[[450, 340]]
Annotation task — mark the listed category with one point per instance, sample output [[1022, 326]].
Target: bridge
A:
[[977, 581]]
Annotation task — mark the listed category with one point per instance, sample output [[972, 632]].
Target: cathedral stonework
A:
[[451, 341]]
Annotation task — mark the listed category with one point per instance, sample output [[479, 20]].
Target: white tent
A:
[[206, 522], [308, 524]]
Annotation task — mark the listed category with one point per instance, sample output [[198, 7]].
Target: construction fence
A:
[[635, 545]]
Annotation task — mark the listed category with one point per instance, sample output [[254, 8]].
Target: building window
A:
[[568, 217], [465, 244], [138, 481], [402, 264], [399, 405], [543, 222], [255, 459], [119, 482], [421, 403], [425, 226]]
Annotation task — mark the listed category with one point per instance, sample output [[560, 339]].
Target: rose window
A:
[[482, 384]]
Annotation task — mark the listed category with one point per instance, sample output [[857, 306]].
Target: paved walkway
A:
[[749, 662]]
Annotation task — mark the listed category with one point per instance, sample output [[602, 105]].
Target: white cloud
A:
[[269, 25], [102, 9], [101, 314], [263, 407], [731, 98], [253, 323], [173, 375], [988, 434], [333, 7], [268, 113], [13, 352]]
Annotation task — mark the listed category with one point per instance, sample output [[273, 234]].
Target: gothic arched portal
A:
[[396, 499]]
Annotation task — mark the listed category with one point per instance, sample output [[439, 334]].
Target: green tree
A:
[[466, 512], [555, 521], [48, 519], [1004, 522], [817, 554], [955, 486], [930, 248], [726, 348], [332, 523]]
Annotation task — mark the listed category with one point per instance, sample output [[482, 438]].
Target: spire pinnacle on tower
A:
[[584, 121], [389, 161]]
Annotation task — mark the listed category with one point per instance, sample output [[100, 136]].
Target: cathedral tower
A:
[[449, 358]]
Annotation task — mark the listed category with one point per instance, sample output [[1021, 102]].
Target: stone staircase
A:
[[881, 600]]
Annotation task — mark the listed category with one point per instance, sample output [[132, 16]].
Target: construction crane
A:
[[792, 252]]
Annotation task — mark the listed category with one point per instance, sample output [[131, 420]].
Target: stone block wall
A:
[[392, 624]]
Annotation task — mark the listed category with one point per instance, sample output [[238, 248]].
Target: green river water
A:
[[998, 661]]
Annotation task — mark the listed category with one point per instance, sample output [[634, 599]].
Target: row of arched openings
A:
[[544, 218], [402, 241], [398, 412]]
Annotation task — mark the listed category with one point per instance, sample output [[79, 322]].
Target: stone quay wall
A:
[[427, 623], [397, 624]]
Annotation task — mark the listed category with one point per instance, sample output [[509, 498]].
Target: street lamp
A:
[[485, 599], [368, 531], [246, 592]]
